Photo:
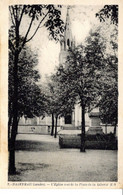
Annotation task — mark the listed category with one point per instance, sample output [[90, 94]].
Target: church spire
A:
[[67, 42], [68, 23], [68, 31]]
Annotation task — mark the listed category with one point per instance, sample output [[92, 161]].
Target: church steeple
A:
[[68, 31], [67, 41]]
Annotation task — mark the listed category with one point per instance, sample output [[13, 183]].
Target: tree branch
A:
[[22, 14], [24, 41], [37, 27], [11, 15], [13, 12]]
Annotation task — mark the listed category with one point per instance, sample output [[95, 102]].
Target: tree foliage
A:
[[109, 11], [109, 91], [108, 75], [105, 57], [90, 73], [82, 69], [79, 78], [30, 96], [58, 102], [43, 15]]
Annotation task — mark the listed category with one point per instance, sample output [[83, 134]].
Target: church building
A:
[[72, 120]]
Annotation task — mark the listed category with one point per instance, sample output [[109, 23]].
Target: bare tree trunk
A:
[[9, 125], [17, 124], [106, 128], [82, 148], [55, 135], [12, 168], [52, 130], [115, 128]]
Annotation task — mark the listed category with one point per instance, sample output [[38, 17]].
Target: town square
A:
[[63, 93]]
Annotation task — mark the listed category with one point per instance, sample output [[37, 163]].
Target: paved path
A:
[[39, 158]]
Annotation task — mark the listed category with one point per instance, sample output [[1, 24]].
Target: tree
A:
[[46, 15], [109, 11], [58, 103], [49, 106], [109, 77], [64, 102], [79, 77], [30, 97], [108, 103], [86, 69], [28, 87]]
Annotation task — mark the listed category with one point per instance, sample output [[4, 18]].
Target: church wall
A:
[[47, 120], [41, 127], [78, 115], [37, 125], [22, 120], [63, 56]]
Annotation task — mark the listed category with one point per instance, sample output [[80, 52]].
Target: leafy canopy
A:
[[30, 97], [109, 11]]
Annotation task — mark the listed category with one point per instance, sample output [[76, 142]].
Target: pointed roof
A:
[[68, 17], [68, 30]]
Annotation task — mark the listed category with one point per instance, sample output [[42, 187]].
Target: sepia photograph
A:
[[62, 126]]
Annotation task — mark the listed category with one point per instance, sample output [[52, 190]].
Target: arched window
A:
[[68, 42], [64, 46]]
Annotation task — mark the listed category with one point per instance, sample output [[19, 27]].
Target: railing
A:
[[35, 129]]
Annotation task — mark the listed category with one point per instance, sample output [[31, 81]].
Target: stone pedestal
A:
[[95, 127]]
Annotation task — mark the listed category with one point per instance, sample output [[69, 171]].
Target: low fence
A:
[[46, 129], [35, 129]]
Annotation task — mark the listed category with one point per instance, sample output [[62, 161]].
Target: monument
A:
[[95, 127]]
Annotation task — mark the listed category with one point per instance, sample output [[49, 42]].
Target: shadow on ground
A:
[[26, 145]]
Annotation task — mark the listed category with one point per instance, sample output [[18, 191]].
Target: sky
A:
[[82, 20]]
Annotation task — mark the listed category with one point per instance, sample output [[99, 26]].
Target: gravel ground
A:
[[39, 158]]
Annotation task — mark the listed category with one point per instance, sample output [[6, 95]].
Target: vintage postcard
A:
[[61, 94]]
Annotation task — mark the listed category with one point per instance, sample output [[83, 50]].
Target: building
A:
[[71, 120]]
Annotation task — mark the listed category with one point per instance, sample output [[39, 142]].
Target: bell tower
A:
[[67, 42]]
